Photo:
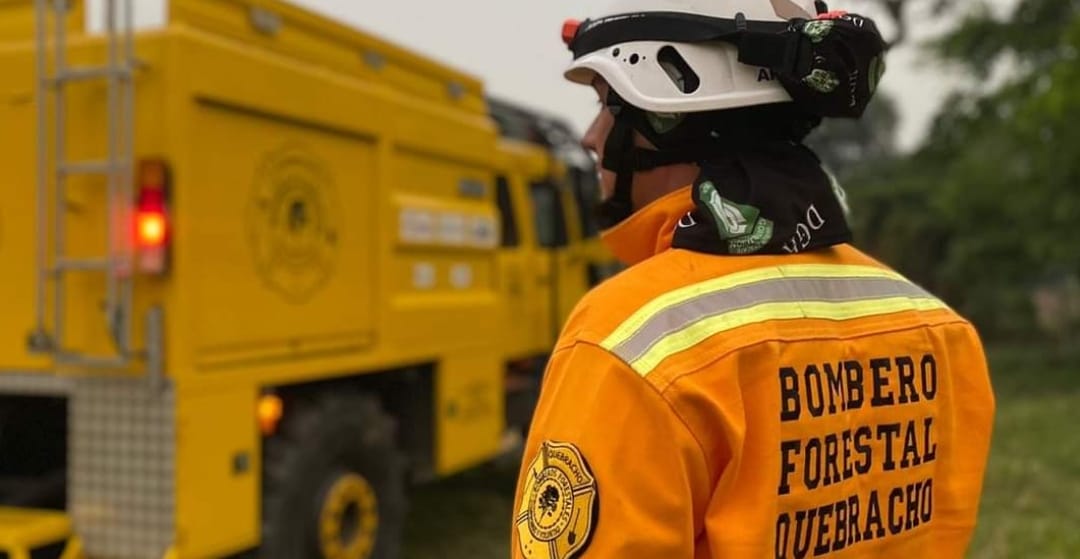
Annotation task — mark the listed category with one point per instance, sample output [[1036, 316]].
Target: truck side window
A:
[[550, 216], [510, 237], [587, 195]]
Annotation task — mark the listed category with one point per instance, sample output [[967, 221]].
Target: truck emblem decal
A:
[[293, 223]]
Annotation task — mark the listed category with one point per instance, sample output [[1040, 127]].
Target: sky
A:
[[514, 46]]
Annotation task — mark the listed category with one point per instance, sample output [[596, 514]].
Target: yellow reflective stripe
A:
[[678, 296], [707, 327], [786, 290]]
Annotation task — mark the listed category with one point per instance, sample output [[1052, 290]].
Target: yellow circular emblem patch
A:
[[558, 504]]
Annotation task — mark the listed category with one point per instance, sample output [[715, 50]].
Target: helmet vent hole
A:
[[616, 52], [676, 68], [634, 58]]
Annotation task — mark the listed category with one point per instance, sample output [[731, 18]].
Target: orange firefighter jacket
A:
[[696, 406]]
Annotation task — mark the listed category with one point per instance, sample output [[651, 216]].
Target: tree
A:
[[846, 144], [995, 187]]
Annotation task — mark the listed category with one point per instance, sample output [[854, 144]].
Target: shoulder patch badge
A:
[[559, 504]]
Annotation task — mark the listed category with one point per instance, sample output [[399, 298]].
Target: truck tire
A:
[[334, 483]]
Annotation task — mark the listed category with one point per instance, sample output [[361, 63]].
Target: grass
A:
[[1030, 506], [1031, 497], [467, 516]]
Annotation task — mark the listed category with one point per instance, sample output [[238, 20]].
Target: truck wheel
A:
[[333, 485]]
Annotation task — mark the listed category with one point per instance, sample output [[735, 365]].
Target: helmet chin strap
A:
[[625, 159], [692, 141], [618, 158]]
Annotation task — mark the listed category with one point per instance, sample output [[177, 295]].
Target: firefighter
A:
[[752, 385]]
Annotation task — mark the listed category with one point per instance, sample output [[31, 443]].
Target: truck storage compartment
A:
[[283, 208]]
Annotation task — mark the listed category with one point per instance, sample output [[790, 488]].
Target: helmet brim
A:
[[585, 69]]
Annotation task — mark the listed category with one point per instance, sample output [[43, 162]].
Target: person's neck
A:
[[650, 186]]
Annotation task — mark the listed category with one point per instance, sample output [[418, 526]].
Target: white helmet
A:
[[670, 56]]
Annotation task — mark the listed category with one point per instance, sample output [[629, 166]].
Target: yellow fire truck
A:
[[261, 272]]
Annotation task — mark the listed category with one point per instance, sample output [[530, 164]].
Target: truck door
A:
[[567, 276], [520, 282], [599, 263]]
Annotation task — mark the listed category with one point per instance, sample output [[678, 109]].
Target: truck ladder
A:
[[55, 169]]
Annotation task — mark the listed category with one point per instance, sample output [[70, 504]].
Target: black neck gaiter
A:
[[769, 199]]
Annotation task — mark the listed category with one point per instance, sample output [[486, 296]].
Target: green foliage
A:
[[1031, 481], [845, 143], [989, 207], [1033, 32]]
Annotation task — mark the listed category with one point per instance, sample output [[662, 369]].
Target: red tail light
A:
[[153, 233], [152, 228]]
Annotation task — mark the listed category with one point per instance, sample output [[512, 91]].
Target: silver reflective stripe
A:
[[681, 316]]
